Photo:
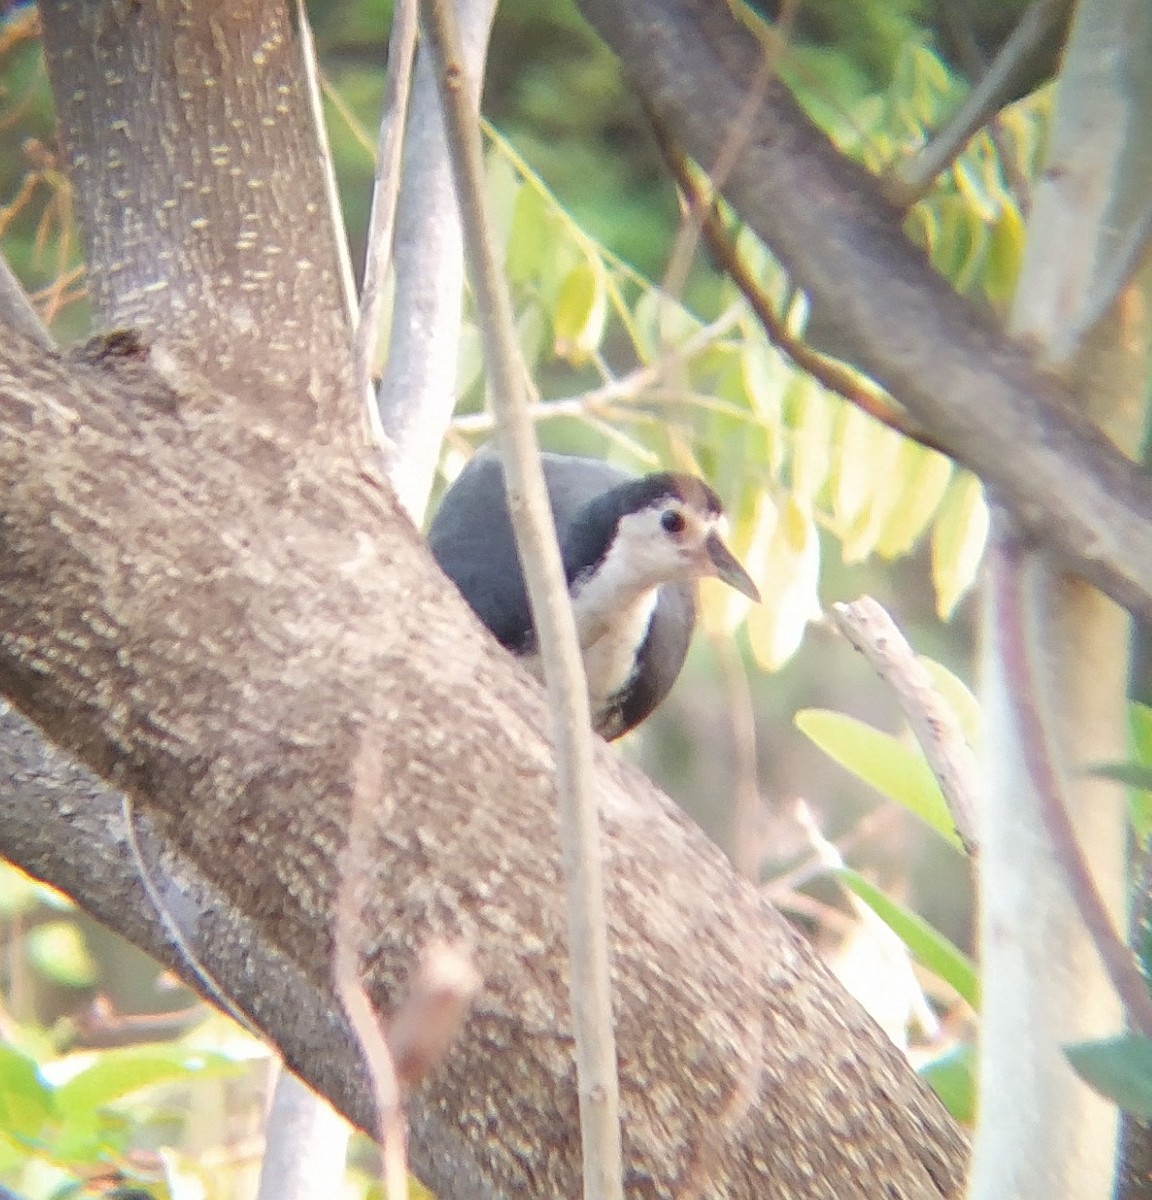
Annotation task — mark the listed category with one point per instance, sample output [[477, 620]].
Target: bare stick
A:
[[869, 628], [916, 174], [355, 877], [833, 375], [386, 186], [563, 668], [16, 309], [1007, 563]]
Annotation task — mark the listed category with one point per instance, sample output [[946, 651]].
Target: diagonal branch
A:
[[978, 392]]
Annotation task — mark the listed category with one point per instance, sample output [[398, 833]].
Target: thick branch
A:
[[202, 227], [216, 618], [977, 391]]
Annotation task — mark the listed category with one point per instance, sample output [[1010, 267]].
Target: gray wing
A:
[[471, 535], [471, 538]]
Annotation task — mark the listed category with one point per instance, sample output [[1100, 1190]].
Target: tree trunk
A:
[[210, 597]]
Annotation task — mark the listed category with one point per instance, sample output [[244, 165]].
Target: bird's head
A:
[[663, 528]]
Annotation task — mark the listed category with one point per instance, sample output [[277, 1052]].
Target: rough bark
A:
[[208, 598], [218, 620]]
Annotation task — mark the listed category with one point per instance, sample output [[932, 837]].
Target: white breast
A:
[[608, 644]]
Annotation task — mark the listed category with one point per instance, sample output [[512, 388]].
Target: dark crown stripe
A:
[[592, 532]]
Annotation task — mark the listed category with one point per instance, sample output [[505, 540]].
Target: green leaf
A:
[[927, 946], [1119, 1068], [1140, 728], [927, 483], [533, 236], [117, 1073], [809, 413], [894, 769], [580, 313], [27, 1102], [854, 476], [952, 1077], [959, 698], [1131, 774], [58, 952], [958, 538]]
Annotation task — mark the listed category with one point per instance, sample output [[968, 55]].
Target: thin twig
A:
[[335, 212], [868, 626], [916, 174], [211, 988], [1006, 566], [373, 432], [773, 43], [386, 186], [637, 384], [356, 860], [722, 246], [590, 981], [1114, 276], [16, 309]]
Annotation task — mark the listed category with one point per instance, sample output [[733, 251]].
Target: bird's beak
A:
[[728, 567]]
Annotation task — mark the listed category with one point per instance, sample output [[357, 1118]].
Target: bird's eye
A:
[[672, 520]]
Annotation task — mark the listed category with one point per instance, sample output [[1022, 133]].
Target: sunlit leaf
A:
[[854, 473], [972, 186], [791, 569], [117, 1073], [958, 538], [927, 946], [958, 696], [891, 465], [765, 379], [27, 1103], [18, 892], [578, 319], [1005, 253], [895, 770], [662, 323], [502, 186], [926, 484], [810, 416], [58, 951], [533, 235]]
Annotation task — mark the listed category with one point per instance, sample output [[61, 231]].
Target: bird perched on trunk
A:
[[632, 550]]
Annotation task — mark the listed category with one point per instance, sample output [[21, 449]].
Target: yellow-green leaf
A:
[[533, 235], [927, 946], [854, 470], [792, 571], [958, 539], [580, 313], [894, 769], [959, 698], [926, 484], [891, 467], [810, 415], [1005, 253], [58, 951]]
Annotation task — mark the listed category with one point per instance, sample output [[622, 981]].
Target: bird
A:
[[632, 549]]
